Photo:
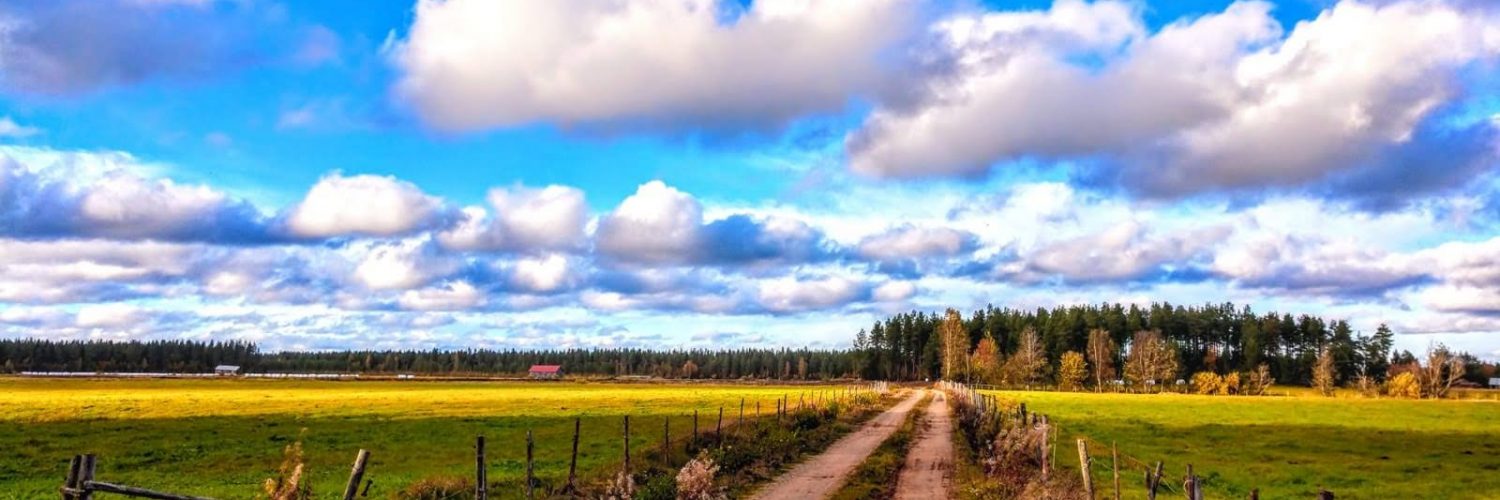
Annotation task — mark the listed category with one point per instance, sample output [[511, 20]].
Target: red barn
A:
[[546, 372]]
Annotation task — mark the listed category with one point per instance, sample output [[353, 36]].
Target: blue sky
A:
[[690, 173]]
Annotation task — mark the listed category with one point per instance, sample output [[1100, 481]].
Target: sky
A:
[[709, 174]]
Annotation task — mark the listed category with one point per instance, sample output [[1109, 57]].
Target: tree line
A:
[[1106, 343], [190, 356], [1117, 343]]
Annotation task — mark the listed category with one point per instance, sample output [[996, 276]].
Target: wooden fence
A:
[[80, 484], [989, 404]]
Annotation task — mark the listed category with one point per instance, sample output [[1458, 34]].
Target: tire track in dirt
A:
[[822, 475], [928, 472]]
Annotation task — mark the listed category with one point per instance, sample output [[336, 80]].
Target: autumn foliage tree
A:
[[1151, 361], [1101, 356], [955, 343], [985, 361], [1323, 378], [1072, 371], [1029, 363]]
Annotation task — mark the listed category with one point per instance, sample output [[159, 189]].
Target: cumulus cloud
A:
[[1351, 103], [800, 294], [51, 194], [369, 205], [401, 265], [661, 225], [1123, 253], [547, 274], [912, 242], [553, 218], [1314, 265], [469, 64]]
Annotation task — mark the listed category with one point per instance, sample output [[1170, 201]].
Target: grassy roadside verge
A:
[[771, 452], [876, 476]]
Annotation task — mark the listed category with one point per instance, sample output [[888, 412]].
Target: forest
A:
[[1222, 338]]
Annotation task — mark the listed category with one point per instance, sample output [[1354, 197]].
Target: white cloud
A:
[[471, 64], [364, 205], [52, 194], [1222, 102], [9, 128], [453, 296], [401, 265], [108, 316], [908, 242], [553, 218], [894, 291], [1125, 251], [797, 294], [543, 274], [656, 224]]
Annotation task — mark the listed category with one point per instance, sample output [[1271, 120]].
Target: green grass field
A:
[[1287, 446], [223, 438]]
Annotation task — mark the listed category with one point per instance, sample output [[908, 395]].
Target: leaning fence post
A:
[[573, 461], [1083, 465], [356, 474], [71, 481], [1153, 481], [481, 484], [530, 483]]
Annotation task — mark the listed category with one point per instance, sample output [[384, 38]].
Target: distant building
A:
[[546, 372], [226, 370], [1495, 382]]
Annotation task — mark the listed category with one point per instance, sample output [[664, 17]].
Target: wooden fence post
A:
[[1324, 494], [627, 444], [1045, 434], [573, 460], [1255, 494], [86, 476], [71, 481], [1083, 464], [695, 426], [1114, 462], [741, 422], [719, 428], [666, 437], [356, 474], [481, 484], [530, 482], [1153, 481], [1190, 484]]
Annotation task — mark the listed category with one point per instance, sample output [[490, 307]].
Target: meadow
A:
[[223, 438], [1287, 446]]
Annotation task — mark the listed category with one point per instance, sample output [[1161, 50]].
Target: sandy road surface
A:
[[822, 475], [928, 472]]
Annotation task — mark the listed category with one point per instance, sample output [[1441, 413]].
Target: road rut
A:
[[928, 472], [822, 475]]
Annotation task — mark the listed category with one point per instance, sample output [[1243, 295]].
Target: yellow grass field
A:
[[223, 438]]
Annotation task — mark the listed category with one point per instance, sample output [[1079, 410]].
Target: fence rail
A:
[[80, 483]]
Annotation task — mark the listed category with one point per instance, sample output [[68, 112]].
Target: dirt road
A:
[[928, 472], [822, 475]]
